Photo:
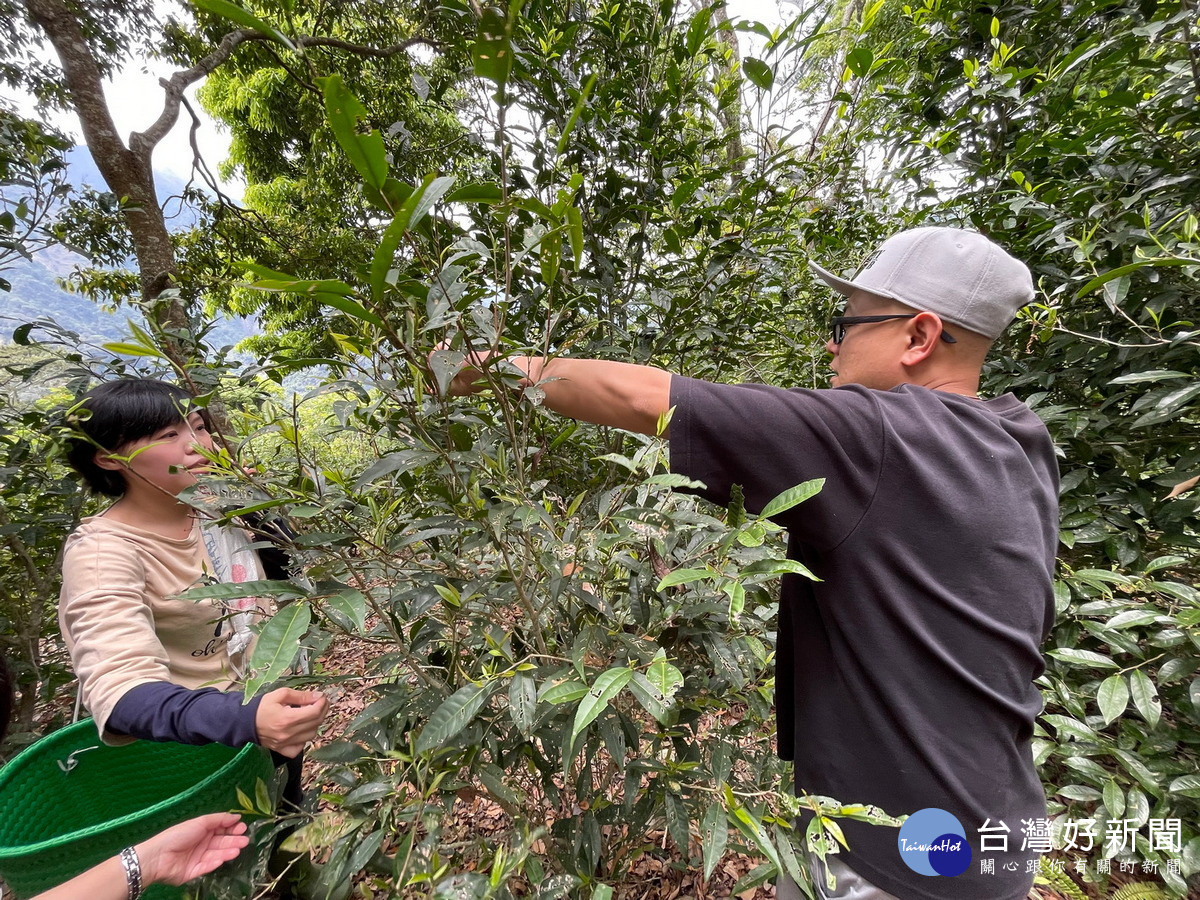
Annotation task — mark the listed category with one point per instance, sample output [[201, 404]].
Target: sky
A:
[[135, 99]]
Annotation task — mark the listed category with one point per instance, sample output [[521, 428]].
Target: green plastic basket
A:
[[69, 801]]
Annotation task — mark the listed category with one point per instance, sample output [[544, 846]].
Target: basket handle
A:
[[71, 762]]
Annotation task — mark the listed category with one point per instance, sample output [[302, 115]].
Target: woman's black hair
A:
[[115, 413], [6, 697]]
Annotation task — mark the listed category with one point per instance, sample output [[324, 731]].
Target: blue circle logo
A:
[[933, 842]]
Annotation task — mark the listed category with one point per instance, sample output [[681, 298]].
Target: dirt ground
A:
[[660, 875]]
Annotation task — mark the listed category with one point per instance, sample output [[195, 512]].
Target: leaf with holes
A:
[[597, 698], [714, 833]]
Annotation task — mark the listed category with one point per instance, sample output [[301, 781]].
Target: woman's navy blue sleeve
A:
[[161, 711]]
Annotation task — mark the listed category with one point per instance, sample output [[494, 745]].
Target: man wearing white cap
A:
[[905, 675]]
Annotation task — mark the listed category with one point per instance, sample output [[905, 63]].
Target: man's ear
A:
[[924, 332]]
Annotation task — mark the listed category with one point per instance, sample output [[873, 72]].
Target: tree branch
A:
[[174, 86], [363, 50], [86, 85], [180, 81]]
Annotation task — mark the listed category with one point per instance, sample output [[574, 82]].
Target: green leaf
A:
[[783, 843], [673, 480], [574, 117], [1083, 658], [1137, 807], [522, 702], [235, 13], [859, 61], [1145, 696], [714, 833], [277, 645], [684, 576], [454, 714], [1186, 786], [492, 777], [759, 73], [1114, 799], [127, 349], [575, 233], [410, 213], [424, 198], [793, 496], [597, 698], [348, 609], [445, 364], [663, 676], [238, 589], [699, 29], [492, 51], [1132, 617], [1168, 406], [778, 567], [756, 877], [649, 697], [677, 821], [1122, 271], [352, 308], [1068, 726], [1150, 375], [1113, 697], [551, 255], [486, 193], [344, 112], [364, 850], [1079, 792], [1139, 771], [751, 827], [563, 692], [556, 887], [737, 598]]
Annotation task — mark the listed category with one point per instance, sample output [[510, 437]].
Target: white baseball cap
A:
[[961, 275]]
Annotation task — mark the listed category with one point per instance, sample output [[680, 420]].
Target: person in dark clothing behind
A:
[[905, 676]]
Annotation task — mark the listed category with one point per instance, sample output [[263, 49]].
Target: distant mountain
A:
[[36, 293]]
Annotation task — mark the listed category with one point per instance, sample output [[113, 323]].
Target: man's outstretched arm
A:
[[599, 391]]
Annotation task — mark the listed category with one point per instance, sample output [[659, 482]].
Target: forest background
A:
[[549, 627]]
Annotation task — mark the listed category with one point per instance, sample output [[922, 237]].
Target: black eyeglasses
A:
[[841, 323]]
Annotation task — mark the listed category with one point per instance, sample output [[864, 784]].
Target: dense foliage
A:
[[558, 632]]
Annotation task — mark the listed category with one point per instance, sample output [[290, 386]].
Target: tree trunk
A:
[[731, 116], [126, 170]]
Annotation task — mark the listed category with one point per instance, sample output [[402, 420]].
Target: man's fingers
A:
[[313, 712], [291, 697]]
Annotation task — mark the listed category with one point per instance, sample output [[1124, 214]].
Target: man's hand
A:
[[191, 849], [469, 377], [603, 392], [288, 719]]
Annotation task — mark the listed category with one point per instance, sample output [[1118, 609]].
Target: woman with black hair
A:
[[174, 856], [151, 665]]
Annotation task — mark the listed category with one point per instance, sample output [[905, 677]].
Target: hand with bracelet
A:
[[174, 856]]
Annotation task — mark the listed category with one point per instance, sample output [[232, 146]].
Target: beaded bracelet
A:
[[133, 872]]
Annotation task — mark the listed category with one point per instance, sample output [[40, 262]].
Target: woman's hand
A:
[[191, 849], [288, 719]]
